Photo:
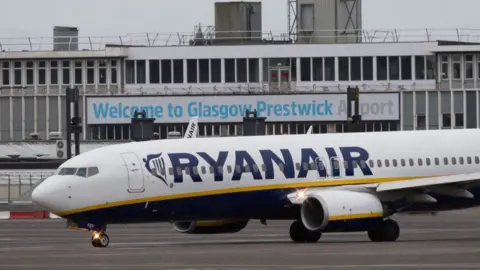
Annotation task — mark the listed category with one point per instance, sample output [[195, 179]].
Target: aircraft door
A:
[[321, 168], [335, 167], [135, 172]]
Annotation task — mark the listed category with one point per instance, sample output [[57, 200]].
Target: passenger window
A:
[[395, 164], [92, 171], [363, 164], [387, 163], [336, 165], [220, 169], [420, 162], [460, 159], [312, 166], [281, 167], [264, 168], [255, 168], [246, 168], [204, 171], [372, 164], [437, 161], [428, 161], [345, 164], [211, 169], [237, 168], [477, 160], [305, 166], [355, 164], [82, 172], [194, 171], [187, 170], [297, 165], [411, 162], [454, 161], [402, 161], [445, 161], [179, 171], [379, 163], [469, 160], [170, 171], [229, 169], [320, 165]]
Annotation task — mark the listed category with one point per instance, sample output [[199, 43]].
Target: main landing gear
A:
[[100, 239], [387, 231], [300, 234]]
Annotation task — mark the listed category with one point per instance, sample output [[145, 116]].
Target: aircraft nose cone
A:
[[44, 195], [40, 195]]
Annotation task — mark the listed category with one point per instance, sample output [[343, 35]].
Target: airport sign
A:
[[232, 108]]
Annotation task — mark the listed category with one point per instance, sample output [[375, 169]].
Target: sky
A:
[[22, 18]]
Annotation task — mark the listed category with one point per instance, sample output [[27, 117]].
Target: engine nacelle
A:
[[322, 207], [210, 226]]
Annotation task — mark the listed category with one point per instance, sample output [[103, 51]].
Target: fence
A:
[[209, 34], [18, 187]]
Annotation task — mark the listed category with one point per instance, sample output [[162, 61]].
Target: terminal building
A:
[[296, 79]]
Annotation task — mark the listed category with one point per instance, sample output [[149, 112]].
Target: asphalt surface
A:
[[445, 241]]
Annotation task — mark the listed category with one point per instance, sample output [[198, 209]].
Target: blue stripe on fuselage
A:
[[267, 204]]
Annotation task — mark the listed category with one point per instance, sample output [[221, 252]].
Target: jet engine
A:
[[321, 207], [210, 226]]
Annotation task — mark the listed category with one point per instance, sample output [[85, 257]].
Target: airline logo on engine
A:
[[187, 164]]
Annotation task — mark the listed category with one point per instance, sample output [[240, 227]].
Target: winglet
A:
[[192, 128]]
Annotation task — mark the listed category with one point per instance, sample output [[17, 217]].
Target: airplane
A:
[[324, 183]]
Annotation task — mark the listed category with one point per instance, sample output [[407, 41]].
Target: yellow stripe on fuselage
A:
[[319, 183], [355, 216]]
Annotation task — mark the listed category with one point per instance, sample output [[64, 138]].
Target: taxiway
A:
[[445, 241]]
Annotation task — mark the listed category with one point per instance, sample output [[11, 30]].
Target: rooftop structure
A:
[[408, 78]]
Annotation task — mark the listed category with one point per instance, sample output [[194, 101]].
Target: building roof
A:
[[42, 149]]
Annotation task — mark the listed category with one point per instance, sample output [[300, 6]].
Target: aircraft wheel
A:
[[389, 231], [100, 240], [300, 234]]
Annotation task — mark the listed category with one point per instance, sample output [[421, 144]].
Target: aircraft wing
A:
[[453, 185], [192, 128], [431, 182]]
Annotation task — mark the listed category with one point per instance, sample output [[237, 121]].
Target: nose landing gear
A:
[[100, 239]]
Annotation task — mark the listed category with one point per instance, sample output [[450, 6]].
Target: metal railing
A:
[[208, 34], [18, 187]]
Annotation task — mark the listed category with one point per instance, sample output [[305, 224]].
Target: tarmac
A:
[[445, 241]]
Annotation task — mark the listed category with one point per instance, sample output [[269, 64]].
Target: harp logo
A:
[[156, 166]]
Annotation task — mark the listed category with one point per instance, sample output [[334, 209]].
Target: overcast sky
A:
[[117, 17]]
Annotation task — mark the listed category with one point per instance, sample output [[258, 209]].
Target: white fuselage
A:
[[179, 179]]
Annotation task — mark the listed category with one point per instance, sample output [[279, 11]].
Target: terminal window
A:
[[17, 73], [66, 72], [42, 73], [29, 72], [5, 73], [53, 72]]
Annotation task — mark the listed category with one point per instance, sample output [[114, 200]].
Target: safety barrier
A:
[[27, 215], [15, 185]]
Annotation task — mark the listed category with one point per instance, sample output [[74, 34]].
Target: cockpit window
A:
[[82, 172], [92, 171], [67, 171]]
